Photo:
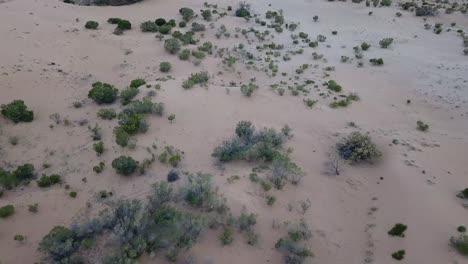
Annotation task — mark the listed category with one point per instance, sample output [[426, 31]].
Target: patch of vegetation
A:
[[200, 78], [17, 112], [398, 230], [99, 148], [386, 42], [171, 155], [124, 25], [248, 90], [332, 85], [227, 236], [172, 45], [7, 211], [165, 66], [22, 174], [243, 10], [186, 13], [376, 61], [149, 26], [358, 147], [137, 83], [91, 25], [460, 244], [107, 113], [399, 255], [365, 46], [103, 93], [124, 165], [422, 126], [127, 94], [47, 181]]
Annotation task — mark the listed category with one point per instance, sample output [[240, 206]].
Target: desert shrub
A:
[[198, 54], [299, 231], [17, 112], [184, 54], [137, 83], [243, 10], [386, 42], [182, 24], [246, 221], [99, 148], [358, 147], [144, 106], [33, 208], [313, 44], [294, 253], [171, 155], [250, 145], [386, 2], [464, 193], [376, 61], [426, 10], [107, 113], [127, 94], [227, 236], [124, 25], [47, 181], [160, 21], [133, 123], [99, 168], [398, 230], [197, 27], [332, 85], [248, 89], [149, 26], [461, 229], [124, 165], [460, 244], [282, 170], [186, 13], [165, 29], [200, 78], [187, 38], [398, 255], [165, 66], [122, 138], [118, 31], [6, 211], [114, 20], [173, 176], [172, 45], [206, 14], [206, 47], [103, 93], [200, 192], [91, 25], [59, 243], [321, 38], [421, 126], [365, 46], [22, 174]]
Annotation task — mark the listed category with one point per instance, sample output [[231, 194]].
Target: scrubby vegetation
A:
[[124, 165], [460, 244], [17, 112], [47, 181], [6, 211], [358, 147], [165, 66], [91, 25], [172, 45], [292, 246], [399, 255], [21, 175], [200, 78], [398, 230]]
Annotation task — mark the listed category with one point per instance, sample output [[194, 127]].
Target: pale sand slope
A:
[[430, 70]]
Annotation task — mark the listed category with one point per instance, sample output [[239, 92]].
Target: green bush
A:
[[165, 29], [133, 123], [246, 221], [149, 26], [294, 253], [73, 194], [386, 42], [114, 20], [365, 46], [206, 14], [386, 2], [461, 229], [165, 66], [47, 181], [91, 25], [144, 106], [426, 10], [6, 211], [398, 255], [184, 54], [99, 148], [124, 25], [103, 93], [137, 83], [358, 147], [460, 244], [332, 85], [248, 90], [243, 10], [124, 165], [198, 54], [17, 112], [422, 126], [186, 13], [107, 113], [121, 136], [172, 45], [398, 230], [197, 27], [182, 24], [376, 61], [227, 236], [200, 78], [160, 21], [59, 243], [127, 94], [200, 192]]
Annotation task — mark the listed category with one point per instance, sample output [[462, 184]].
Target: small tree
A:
[[103, 93]]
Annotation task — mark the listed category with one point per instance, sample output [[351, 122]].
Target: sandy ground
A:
[[49, 60]]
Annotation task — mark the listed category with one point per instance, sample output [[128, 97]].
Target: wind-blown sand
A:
[[49, 60]]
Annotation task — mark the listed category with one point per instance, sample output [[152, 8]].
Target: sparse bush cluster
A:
[[47, 181], [293, 249], [21, 175], [200, 78]]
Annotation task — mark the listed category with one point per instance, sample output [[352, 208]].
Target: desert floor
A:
[[49, 60]]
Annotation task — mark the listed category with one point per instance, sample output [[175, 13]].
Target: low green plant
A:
[[386, 42], [227, 236], [172, 45], [334, 86], [7, 211], [124, 165], [47, 181], [99, 148], [106, 113], [248, 89], [376, 61], [149, 26], [460, 244], [421, 126], [200, 78], [17, 112], [91, 25], [398, 230], [165, 66], [358, 147], [103, 93]]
